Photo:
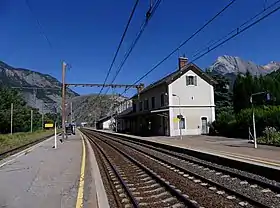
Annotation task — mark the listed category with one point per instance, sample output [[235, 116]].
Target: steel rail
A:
[[132, 199], [172, 190], [243, 177], [248, 199]]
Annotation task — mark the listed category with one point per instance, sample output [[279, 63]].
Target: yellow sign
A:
[[49, 125], [175, 119]]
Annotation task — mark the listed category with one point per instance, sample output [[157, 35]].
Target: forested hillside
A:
[[234, 109], [21, 113]]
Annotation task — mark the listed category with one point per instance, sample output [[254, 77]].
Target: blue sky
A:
[[86, 33]]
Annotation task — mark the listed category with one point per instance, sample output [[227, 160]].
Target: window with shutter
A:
[[191, 80]]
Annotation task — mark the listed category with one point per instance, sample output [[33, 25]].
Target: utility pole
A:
[[31, 122], [55, 135], [71, 110], [253, 116], [95, 120], [12, 109], [42, 116], [63, 99]]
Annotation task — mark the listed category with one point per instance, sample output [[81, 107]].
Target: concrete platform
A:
[[236, 149], [42, 176]]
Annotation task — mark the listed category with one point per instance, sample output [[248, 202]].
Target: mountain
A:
[[233, 65], [48, 92], [88, 107], [230, 66], [84, 107]]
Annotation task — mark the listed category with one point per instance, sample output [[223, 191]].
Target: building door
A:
[[204, 125]]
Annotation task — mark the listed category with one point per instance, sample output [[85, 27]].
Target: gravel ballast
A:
[[262, 195]]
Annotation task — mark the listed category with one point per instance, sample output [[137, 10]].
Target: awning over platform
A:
[[134, 114]]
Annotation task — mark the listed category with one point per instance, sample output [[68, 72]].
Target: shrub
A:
[[270, 136], [231, 125]]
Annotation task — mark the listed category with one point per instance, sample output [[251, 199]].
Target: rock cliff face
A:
[[233, 65], [88, 107], [230, 66], [48, 88], [48, 94]]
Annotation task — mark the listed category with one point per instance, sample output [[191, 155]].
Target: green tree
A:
[[21, 112]]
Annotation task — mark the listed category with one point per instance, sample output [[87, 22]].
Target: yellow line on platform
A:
[[80, 197]]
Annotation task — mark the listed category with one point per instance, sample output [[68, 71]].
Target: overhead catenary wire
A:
[[238, 32], [39, 25], [184, 42], [120, 44], [213, 42], [149, 14]]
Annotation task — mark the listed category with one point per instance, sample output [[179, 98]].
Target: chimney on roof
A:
[[183, 61]]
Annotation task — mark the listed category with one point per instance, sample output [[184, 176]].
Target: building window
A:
[[162, 100], [134, 107], [140, 106], [146, 105], [153, 102], [191, 80]]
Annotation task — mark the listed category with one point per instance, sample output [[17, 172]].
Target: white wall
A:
[[195, 102], [192, 115], [200, 95], [155, 92], [106, 124]]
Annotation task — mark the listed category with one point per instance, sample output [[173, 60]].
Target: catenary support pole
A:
[[63, 100], [12, 111], [55, 136], [31, 122]]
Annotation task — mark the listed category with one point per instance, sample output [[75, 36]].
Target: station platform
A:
[[44, 177], [231, 148]]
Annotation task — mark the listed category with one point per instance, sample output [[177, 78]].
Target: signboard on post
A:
[[49, 125]]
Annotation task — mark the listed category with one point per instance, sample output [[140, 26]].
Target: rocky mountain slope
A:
[[48, 92], [230, 65], [88, 107]]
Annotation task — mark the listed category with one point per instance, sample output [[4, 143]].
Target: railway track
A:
[[134, 184], [221, 187]]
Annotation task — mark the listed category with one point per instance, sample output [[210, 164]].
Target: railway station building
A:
[[186, 95]]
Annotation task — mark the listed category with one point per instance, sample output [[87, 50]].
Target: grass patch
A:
[[8, 142]]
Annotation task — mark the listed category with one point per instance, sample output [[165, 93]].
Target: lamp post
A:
[[180, 122], [253, 114]]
